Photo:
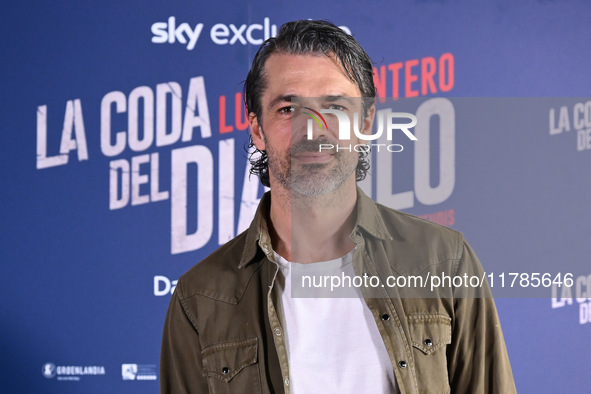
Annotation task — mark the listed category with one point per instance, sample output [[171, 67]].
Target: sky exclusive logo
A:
[[172, 31], [387, 120]]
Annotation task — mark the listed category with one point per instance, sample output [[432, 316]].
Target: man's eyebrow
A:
[[333, 98], [290, 98], [282, 99]]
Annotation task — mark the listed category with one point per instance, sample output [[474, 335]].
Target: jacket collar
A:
[[257, 235], [258, 230], [369, 217]]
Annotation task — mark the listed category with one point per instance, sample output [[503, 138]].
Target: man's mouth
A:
[[313, 157]]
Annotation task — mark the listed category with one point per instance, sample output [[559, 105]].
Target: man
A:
[[233, 325]]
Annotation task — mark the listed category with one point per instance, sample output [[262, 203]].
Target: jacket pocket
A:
[[430, 334], [232, 367]]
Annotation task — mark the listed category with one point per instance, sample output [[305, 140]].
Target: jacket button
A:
[[402, 364], [277, 331], [428, 342], [225, 370], [385, 317]]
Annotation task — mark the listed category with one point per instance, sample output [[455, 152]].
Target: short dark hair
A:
[[301, 38]]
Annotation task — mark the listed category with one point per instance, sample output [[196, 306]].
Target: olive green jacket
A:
[[223, 331]]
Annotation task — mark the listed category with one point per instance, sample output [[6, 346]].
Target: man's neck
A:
[[308, 229]]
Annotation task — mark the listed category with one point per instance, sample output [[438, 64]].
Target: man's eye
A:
[[287, 110], [336, 106]]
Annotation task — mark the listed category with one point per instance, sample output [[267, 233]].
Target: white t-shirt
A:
[[334, 345]]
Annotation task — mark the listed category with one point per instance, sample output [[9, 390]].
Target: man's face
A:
[[295, 163]]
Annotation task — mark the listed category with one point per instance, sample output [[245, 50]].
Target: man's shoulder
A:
[[219, 276], [401, 227], [420, 239]]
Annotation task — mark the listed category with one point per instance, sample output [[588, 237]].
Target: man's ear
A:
[[368, 120], [256, 131]]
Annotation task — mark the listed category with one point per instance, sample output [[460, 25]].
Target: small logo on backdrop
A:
[[138, 372], [70, 372], [48, 370], [128, 371]]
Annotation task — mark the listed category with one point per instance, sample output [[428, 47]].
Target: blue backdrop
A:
[[124, 165]]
